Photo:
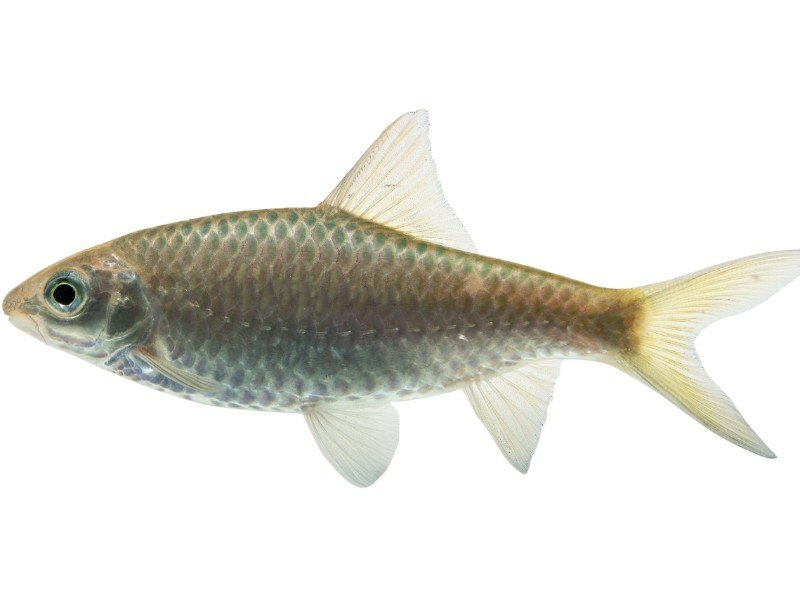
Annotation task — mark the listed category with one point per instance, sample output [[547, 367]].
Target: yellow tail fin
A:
[[674, 312]]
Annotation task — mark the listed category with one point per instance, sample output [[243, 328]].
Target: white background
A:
[[619, 143]]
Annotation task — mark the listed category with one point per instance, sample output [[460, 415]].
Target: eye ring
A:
[[66, 293]]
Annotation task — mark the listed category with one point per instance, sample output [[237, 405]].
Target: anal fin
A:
[[357, 437], [513, 407]]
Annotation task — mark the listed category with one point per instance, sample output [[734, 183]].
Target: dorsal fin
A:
[[394, 183]]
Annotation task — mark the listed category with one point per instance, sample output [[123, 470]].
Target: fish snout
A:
[[11, 302], [16, 300], [16, 306]]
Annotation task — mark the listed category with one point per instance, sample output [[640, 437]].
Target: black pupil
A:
[[64, 294]]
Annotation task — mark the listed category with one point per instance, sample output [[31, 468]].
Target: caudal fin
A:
[[673, 314]]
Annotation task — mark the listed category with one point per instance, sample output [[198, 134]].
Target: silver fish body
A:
[[279, 309]]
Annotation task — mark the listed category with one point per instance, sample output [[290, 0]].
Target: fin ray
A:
[[513, 407], [358, 438], [673, 314]]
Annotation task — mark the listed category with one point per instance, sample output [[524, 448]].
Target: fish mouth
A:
[[27, 323]]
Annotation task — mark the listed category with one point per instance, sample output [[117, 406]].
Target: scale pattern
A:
[[288, 307]]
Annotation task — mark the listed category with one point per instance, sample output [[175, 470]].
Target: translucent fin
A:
[[357, 437], [674, 312], [513, 407], [188, 380], [395, 184]]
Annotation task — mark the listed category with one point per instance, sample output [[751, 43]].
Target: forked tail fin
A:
[[674, 312]]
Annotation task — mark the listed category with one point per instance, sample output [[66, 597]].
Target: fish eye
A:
[[66, 293]]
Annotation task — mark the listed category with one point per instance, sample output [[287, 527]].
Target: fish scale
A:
[[287, 307]]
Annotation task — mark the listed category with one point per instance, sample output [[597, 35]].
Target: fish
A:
[[377, 295]]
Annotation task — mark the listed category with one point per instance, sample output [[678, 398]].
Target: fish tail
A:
[[674, 312]]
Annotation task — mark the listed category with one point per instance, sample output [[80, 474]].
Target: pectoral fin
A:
[[190, 381], [513, 407], [357, 437]]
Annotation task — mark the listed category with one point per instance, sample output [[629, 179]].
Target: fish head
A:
[[91, 305]]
